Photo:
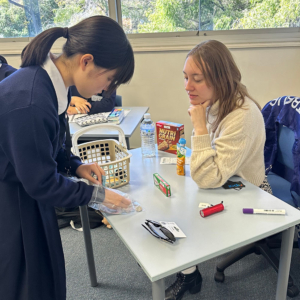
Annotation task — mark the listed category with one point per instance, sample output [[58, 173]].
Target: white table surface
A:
[[128, 125], [206, 237]]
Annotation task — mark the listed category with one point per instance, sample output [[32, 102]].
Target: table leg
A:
[[158, 289], [127, 142], [88, 244], [285, 262]]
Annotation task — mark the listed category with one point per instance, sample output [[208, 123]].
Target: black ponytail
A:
[[35, 53], [100, 36], [3, 60]]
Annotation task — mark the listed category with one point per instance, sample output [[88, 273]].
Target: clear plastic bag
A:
[[107, 207], [100, 192]]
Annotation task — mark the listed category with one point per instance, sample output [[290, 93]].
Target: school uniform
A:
[[104, 102], [31, 257], [5, 70]]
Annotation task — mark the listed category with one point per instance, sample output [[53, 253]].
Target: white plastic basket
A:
[[111, 155]]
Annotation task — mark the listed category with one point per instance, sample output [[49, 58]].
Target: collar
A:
[[58, 83], [214, 108]]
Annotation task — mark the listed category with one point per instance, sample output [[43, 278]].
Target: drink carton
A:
[[168, 135]]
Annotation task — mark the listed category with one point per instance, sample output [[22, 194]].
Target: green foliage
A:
[[135, 12], [47, 12], [151, 15], [172, 15], [13, 22], [271, 14]]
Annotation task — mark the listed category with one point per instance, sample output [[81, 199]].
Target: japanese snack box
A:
[[168, 135], [161, 184]]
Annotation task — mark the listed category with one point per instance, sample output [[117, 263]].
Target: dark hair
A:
[[221, 72], [3, 60], [100, 36]]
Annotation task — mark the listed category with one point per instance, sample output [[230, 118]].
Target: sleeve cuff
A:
[[201, 142], [75, 162]]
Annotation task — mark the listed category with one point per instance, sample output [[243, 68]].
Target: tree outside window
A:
[[142, 16], [23, 18]]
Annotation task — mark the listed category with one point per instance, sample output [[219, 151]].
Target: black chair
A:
[[280, 182], [118, 100]]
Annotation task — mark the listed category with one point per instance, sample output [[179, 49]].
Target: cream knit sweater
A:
[[235, 148]]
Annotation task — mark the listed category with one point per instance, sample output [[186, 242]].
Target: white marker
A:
[[264, 211]]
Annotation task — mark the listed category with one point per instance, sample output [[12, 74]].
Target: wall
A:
[[158, 81]]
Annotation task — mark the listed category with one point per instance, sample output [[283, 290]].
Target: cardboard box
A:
[[161, 184], [168, 135]]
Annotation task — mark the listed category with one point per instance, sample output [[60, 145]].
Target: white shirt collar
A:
[[58, 83]]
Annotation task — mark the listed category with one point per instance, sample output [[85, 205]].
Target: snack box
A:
[[168, 135], [161, 184]]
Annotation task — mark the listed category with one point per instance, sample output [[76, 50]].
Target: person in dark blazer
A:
[[5, 68], [96, 56], [103, 102]]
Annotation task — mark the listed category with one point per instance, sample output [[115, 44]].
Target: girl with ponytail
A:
[[97, 56]]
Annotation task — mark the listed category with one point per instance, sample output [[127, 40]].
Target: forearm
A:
[[105, 105], [211, 168]]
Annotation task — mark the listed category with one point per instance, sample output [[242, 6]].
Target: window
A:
[[27, 18], [148, 16]]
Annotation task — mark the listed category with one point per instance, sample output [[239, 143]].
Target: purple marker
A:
[[264, 211]]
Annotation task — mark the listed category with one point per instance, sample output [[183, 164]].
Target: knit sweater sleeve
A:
[[211, 166]]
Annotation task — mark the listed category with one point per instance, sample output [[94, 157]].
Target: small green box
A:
[[161, 184]]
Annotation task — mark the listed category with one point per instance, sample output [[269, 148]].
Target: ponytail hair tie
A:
[[66, 32]]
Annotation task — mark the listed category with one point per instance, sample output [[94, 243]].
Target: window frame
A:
[[184, 40]]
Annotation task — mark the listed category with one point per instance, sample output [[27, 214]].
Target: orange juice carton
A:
[[161, 184], [168, 135]]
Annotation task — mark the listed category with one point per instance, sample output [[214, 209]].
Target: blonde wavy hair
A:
[[221, 72]]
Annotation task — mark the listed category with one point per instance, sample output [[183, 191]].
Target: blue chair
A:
[[280, 180]]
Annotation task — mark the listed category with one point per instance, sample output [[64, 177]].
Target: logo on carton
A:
[[162, 188], [168, 135]]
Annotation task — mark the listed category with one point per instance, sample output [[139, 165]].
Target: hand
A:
[[86, 170], [82, 105], [113, 199], [72, 111], [198, 117]]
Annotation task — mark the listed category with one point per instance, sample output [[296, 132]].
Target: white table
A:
[[128, 125], [206, 237]]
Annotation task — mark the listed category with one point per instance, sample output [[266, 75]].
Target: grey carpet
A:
[[120, 277]]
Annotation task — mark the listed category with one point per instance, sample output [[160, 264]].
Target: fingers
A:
[[206, 104], [113, 198], [124, 203], [97, 171], [86, 107], [83, 109], [92, 179], [100, 169]]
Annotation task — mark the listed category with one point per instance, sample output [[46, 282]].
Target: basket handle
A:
[[80, 132]]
